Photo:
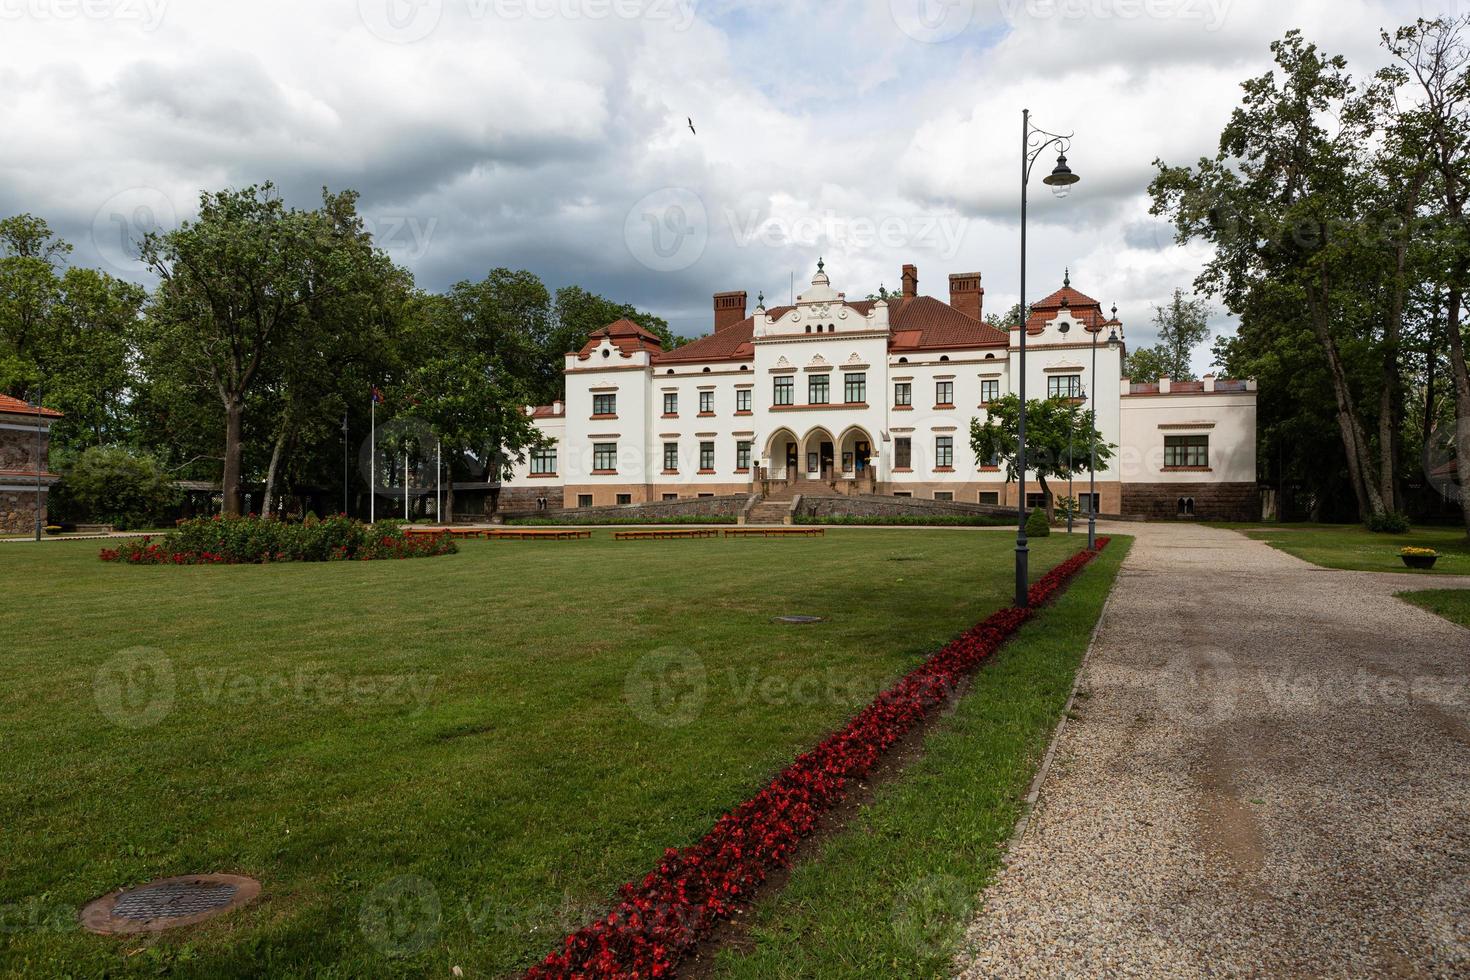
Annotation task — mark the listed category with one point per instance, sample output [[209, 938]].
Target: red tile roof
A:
[[15, 406], [549, 412], [920, 323], [627, 336], [1083, 308]]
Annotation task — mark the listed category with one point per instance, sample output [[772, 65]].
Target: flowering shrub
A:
[[254, 540], [660, 918], [1418, 552]]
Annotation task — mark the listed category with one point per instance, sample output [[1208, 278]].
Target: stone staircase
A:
[[776, 506]]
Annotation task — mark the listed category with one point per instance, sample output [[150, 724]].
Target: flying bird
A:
[[691, 126]]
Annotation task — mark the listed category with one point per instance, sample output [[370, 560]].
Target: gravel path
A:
[[1267, 774]]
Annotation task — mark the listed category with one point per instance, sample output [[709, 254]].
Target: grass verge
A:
[[1452, 604], [890, 896], [909, 520], [1355, 548]]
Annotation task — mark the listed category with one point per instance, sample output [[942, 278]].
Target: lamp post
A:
[[1034, 142], [36, 408], [1071, 431], [345, 479], [1092, 435]]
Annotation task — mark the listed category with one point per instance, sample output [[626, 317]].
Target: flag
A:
[[377, 396]]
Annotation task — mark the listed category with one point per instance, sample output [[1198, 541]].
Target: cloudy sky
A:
[[551, 134]]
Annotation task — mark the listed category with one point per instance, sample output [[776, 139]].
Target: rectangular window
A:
[[903, 453], [854, 388], [943, 393], [706, 456], [671, 496], [671, 403], [785, 388], [543, 462], [703, 496], [944, 452], [671, 457], [742, 455], [584, 500], [989, 497], [819, 390], [604, 404], [1089, 503], [605, 456], [706, 403], [944, 495], [903, 394], [812, 464], [1064, 386], [1035, 500], [989, 391], [1186, 450], [742, 400], [624, 499], [902, 493]]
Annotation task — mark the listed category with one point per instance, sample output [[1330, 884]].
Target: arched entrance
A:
[[857, 454], [818, 455], [783, 453]]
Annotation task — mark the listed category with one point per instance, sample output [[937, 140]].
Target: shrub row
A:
[[256, 540], [662, 917]]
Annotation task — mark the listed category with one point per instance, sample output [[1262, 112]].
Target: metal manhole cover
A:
[[168, 903], [799, 620]]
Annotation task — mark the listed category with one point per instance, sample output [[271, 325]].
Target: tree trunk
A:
[[270, 473], [234, 452], [1354, 442], [1460, 372]]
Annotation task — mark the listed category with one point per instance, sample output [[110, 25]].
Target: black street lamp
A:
[[1034, 142], [1113, 343], [346, 480]]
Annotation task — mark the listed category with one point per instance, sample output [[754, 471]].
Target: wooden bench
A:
[[665, 534], [541, 534], [433, 532], [775, 532]]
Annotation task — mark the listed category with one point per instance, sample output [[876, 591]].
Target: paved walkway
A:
[[1268, 774]]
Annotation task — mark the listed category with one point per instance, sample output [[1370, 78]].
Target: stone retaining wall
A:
[[728, 506], [865, 505]]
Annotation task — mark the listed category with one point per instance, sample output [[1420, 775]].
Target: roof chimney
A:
[[910, 281], [729, 309], [966, 294]]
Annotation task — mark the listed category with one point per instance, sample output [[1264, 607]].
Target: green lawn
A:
[[1452, 604], [891, 897], [1353, 547], [522, 726]]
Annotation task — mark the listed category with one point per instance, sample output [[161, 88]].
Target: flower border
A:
[[661, 918]]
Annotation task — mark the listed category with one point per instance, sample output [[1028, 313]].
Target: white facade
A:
[[870, 397]]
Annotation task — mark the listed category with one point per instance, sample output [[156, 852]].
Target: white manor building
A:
[[876, 397]]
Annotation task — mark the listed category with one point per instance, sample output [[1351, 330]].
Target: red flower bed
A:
[[662, 917]]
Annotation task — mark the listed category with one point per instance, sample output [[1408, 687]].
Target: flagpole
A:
[[438, 481], [405, 484], [373, 463]]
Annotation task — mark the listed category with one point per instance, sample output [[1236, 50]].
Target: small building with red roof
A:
[[25, 476], [876, 396]]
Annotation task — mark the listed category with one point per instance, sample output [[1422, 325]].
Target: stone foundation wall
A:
[[1212, 501], [18, 511]]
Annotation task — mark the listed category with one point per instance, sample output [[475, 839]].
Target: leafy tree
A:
[[1059, 437], [1283, 203], [1182, 326], [474, 368], [112, 485], [1011, 318], [1432, 133], [66, 334], [235, 284]]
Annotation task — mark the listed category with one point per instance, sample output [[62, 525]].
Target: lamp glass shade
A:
[[1113, 340]]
